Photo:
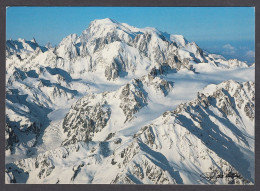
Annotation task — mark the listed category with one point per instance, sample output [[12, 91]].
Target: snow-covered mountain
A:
[[119, 104]]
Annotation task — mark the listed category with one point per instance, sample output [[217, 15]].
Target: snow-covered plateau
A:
[[123, 105]]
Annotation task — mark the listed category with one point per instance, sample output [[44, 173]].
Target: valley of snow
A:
[[124, 105]]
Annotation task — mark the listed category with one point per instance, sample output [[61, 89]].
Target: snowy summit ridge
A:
[[123, 105]]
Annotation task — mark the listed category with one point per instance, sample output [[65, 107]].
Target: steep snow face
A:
[[30, 97], [121, 48], [110, 110], [209, 140], [100, 103], [68, 47], [179, 40], [108, 29], [218, 129]]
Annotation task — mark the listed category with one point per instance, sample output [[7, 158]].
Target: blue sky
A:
[[216, 29]]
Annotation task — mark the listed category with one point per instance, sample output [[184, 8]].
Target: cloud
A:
[[250, 54], [229, 49]]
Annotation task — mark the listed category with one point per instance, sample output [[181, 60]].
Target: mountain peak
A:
[[106, 21], [21, 40], [72, 38], [127, 102], [33, 40]]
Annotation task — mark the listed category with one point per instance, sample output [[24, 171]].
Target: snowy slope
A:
[[208, 140], [77, 107]]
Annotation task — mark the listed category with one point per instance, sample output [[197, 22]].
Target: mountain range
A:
[[124, 105]]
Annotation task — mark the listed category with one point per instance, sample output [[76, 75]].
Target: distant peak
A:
[[70, 38], [109, 20], [179, 39], [104, 21], [33, 40], [21, 40]]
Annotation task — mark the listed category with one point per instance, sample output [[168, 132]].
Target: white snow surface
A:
[[141, 136]]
